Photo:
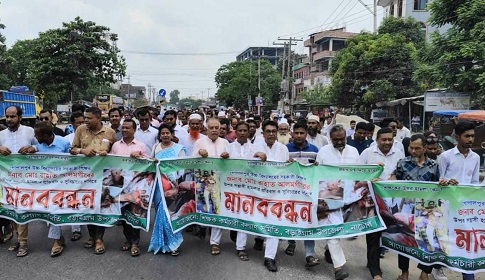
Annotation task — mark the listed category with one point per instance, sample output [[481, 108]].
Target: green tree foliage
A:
[[377, 67], [174, 96], [457, 57], [72, 59], [239, 80], [20, 59], [318, 95], [4, 80], [407, 27]]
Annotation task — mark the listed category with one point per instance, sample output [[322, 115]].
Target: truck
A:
[[23, 97]]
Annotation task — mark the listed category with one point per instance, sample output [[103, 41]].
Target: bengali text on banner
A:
[[65, 189], [284, 200], [434, 224]]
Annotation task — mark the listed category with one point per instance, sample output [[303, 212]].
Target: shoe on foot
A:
[[439, 274], [311, 261], [290, 250], [270, 264], [258, 244], [341, 274]]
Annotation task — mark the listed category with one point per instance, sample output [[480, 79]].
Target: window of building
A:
[[391, 10], [338, 45], [420, 5], [399, 8]]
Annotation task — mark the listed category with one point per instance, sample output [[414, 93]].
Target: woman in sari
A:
[[163, 239]]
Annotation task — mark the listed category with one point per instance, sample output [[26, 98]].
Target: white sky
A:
[[190, 26]]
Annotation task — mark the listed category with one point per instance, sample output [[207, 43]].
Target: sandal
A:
[[58, 247], [290, 250], [89, 243], [126, 246], [99, 247], [14, 247], [23, 251], [215, 250], [76, 236], [175, 252], [243, 256], [135, 250]]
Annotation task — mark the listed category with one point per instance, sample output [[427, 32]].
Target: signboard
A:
[[434, 101], [162, 92]]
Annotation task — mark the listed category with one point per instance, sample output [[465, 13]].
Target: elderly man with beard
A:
[[284, 136], [241, 148], [15, 139], [314, 137], [195, 127], [416, 167], [212, 146], [383, 153]]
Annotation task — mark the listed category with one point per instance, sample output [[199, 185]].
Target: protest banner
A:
[[288, 201], [69, 190], [434, 224]]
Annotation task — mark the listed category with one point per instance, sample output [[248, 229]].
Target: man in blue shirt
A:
[[359, 140], [300, 150], [49, 143]]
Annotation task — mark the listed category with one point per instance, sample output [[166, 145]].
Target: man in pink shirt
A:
[[129, 146]]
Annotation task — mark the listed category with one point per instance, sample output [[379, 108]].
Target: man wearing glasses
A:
[[46, 115]]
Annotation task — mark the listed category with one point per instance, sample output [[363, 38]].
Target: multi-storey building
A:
[[416, 9], [272, 54], [323, 46]]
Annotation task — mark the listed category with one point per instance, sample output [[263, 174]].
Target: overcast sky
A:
[[151, 32]]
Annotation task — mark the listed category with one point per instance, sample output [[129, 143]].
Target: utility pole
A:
[[208, 95], [373, 12], [258, 102], [149, 93], [288, 93], [129, 86]]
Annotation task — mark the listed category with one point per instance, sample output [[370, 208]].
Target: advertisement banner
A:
[[434, 224], [76, 190], [434, 101], [284, 200]]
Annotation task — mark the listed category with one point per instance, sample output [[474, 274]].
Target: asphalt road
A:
[[194, 261]]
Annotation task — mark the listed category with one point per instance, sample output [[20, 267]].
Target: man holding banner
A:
[[91, 139], [461, 165], [242, 149], [20, 139], [416, 167], [387, 155], [130, 146], [211, 146], [48, 144]]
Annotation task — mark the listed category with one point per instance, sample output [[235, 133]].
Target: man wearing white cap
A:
[[314, 137], [284, 132], [195, 126]]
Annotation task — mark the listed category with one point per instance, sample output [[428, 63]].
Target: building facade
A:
[[272, 54], [416, 9], [322, 48]]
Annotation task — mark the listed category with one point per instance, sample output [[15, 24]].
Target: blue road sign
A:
[[162, 92]]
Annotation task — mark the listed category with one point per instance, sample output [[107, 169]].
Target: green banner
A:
[[65, 189], [434, 224], [284, 200]]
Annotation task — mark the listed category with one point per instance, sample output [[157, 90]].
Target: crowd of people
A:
[[149, 133]]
